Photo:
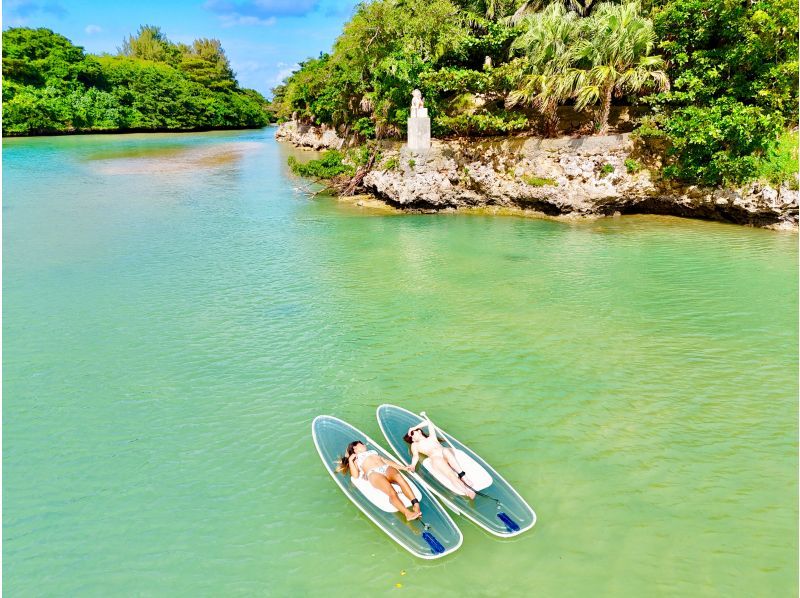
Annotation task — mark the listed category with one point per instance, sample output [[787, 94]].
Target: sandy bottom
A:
[[173, 159]]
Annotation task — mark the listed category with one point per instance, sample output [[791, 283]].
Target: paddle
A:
[[430, 539], [436, 546]]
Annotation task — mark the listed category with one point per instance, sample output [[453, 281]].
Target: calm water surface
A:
[[175, 314]]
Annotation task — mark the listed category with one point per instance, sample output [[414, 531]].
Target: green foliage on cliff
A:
[[330, 165], [719, 76], [52, 86], [734, 71]]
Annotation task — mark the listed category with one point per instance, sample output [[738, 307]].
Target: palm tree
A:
[[546, 44], [492, 10], [580, 7], [613, 56]]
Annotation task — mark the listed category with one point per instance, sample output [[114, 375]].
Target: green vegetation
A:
[[535, 181], [606, 170], [734, 71], [52, 86], [632, 166], [781, 163], [719, 77], [390, 164], [329, 166]]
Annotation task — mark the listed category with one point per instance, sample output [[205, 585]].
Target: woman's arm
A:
[[354, 473], [414, 457], [420, 425], [431, 427], [396, 464], [425, 422]]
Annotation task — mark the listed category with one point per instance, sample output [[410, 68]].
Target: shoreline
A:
[[132, 131], [563, 178]]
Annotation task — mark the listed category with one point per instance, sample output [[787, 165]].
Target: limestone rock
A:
[[559, 177]]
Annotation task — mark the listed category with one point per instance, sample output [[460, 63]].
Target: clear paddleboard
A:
[[433, 536], [497, 507]]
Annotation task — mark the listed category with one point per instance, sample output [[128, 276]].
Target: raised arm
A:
[[425, 422], [431, 428], [419, 426]]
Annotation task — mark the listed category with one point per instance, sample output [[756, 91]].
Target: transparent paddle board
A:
[[498, 509], [435, 536]]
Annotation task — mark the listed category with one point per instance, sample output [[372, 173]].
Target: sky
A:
[[264, 39]]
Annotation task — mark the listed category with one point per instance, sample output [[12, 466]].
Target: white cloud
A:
[[90, 29], [285, 71], [247, 66], [244, 11], [234, 19]]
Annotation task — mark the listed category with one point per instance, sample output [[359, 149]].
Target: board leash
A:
[[510, 524]]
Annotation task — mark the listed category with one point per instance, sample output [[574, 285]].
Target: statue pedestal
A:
[[419, 130]]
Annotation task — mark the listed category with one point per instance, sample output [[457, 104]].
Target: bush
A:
[[723, 143], [328, 166], [484, 124], [360, 156], [632, 166], [781, 163], [365, 127]]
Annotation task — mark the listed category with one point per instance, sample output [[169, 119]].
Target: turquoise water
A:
[[175, 315]]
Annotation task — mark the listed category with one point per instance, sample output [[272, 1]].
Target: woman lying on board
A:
[[443, 459], [381, 473]]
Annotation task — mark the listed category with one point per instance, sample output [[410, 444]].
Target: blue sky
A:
[[264, 39]]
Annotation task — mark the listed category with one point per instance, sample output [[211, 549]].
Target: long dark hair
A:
[[408, 438], [344, 461]]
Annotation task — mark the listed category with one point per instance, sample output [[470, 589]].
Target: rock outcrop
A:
[[590, 176], [317, 138]]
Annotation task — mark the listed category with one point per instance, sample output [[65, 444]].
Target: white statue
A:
[[419, 124], [417, 104]]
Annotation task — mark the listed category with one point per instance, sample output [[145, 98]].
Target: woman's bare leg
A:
[[444, 468], [395, 477], [450, 455], [382, 483]]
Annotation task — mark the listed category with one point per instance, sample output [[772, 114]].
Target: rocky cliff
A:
[[589, 176]]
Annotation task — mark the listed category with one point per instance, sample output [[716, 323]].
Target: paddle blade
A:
[[435, 545], [510, 524]]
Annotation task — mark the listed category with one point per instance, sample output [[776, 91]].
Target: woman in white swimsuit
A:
[[381, 473], [442, 458]]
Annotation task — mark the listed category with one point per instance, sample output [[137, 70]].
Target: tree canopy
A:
[[53, 86], [717, 77]]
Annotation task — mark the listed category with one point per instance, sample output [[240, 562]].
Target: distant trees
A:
[[51, 86], [205, 62], [149, 43]]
